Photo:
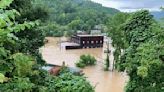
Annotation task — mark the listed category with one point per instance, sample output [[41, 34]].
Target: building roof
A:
[[69, 44], [89, 35]]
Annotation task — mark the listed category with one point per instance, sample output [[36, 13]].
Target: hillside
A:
[[64, 11], [76, 14]]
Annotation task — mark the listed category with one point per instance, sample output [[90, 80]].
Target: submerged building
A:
[[86, 41]]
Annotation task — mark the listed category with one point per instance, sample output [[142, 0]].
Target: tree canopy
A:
[[75, 15], [20, 70], [142, 52]]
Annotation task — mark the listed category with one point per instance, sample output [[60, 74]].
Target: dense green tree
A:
[[117, 35], [145, 39], [29, 10], [31, 39], [8, 27], [19, 71], [143, 53]]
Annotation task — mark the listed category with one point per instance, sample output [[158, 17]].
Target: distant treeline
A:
[[67, 16]]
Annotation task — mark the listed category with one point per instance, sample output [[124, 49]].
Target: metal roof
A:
[[89, 35]]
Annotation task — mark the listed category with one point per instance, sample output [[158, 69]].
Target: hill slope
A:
[[71, 9], [77, 14]]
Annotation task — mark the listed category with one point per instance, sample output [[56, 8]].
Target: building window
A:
[[83, 42], [100, 41], [92, 41], [87, 41], [96, 41]]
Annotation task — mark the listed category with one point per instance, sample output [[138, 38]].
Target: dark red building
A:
[[87, 41]]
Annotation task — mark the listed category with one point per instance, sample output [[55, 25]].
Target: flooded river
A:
[[105, 81]]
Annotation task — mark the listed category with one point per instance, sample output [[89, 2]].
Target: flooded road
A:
[[105, 81]]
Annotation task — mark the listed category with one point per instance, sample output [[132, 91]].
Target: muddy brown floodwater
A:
[[105, 81]]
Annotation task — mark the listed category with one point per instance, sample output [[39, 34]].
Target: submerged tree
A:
[[117, 35], [107, 63]]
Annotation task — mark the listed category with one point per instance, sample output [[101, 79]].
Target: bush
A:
[[86, 60], [80, 64], [107, 63]]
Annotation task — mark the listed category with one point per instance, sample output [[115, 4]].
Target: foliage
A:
[[23, 64], [5, 3], [8, 40], [20, 71], [143, 52], [117, 35], [74, 15], [64, 82], [73, 83], [17, 85], [29, 10], [53, 29], [107, 63], [30, 39], [2, 78], [86, 60]]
